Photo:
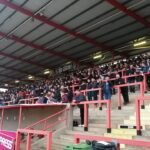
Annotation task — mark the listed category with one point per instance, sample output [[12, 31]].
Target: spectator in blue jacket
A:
[[107, 89]]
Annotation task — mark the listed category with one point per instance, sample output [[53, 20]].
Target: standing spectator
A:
[[77, 99], [107, 89], [94, 93], [131, 71], [124, 90], [89, 93]]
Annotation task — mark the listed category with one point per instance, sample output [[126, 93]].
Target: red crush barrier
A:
[[30, 133], [78, 137], [139, 100], [129, 84], [86, 114]]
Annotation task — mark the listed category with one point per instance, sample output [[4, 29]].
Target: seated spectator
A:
[[50, 98], [1, 101], [64, 96]]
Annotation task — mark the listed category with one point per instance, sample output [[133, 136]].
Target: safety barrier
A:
[[23, 101], [28, 100], [86, 114], [30, 133], [44, 125], [118, 141], [138, 113], [127, 85], [99, 90]]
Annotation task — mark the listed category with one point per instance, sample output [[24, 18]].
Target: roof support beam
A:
[[130, 13], [12, 77], [20, 71], [45, 20], [39, 47], [23, 60]]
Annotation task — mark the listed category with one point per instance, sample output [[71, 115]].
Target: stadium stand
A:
[[74, 73]]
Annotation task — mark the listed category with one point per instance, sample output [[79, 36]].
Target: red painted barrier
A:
[[127, 85], [29, 100], [31, 133], [44, 122], [118, 141], [139, 100], [86, 114]]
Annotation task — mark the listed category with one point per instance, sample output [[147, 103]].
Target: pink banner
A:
[[7, 140]]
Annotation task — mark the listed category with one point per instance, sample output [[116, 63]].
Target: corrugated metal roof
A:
[[90, 26]]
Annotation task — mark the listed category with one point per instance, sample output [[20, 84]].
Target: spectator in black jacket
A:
[[124, 90], [77, 99]]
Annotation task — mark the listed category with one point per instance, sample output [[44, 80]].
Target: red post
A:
[[125, 79], [49, 140], [108, 116], [144, 81], [76, 140], [28, 147], [122, 71], [18, 141], [2, 119], [119, 98], [138, 117], [118, 146], [142, 95], [100, 97], [20, 118], [86, 117]]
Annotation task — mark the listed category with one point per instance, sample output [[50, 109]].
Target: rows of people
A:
[[59, 89]]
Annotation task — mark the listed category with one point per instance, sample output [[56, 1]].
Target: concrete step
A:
[[124, 131], [91, 129], [132, 122], [118, 136], [144, 118], [97, 125]]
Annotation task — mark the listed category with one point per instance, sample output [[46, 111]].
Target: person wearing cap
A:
[[124, 90]]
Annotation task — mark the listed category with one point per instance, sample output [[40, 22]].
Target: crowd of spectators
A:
[[59, 89]]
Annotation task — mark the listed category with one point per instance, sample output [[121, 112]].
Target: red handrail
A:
[[139, 100], [78, 137], [29, 137], [108, 111], [45, 119], [126, 85]]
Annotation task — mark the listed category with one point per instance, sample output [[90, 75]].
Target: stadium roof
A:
[[39, 34]]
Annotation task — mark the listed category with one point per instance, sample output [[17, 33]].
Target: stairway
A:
[[97, 126]]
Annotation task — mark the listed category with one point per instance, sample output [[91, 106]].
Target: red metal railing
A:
[[24, 101], [41, 128], [99, 90], [28, 100], [138, 113], [127, 85], [44, 123], [30, 133], [86, 114], [78, 137]]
